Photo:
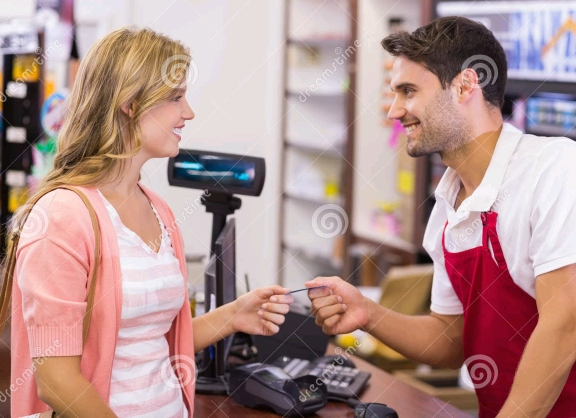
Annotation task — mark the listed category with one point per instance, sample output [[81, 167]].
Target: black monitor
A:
[[220, 289]]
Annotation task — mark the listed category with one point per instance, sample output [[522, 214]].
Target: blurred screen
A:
[[215, 170]]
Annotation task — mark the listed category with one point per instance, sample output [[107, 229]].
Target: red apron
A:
[[499, 317]]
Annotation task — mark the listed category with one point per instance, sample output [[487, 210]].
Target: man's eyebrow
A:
[[402, 86]]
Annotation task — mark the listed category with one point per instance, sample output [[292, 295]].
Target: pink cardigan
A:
[[54, 259]]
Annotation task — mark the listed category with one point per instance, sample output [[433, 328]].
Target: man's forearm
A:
[[431, 339], [542, 372]]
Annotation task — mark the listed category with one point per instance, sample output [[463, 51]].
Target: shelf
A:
[[317, 139], [364, 230], [544, 130], [312, 254], [527, 88], [320, 42], [334, 151], [318, 94], [315, 200]]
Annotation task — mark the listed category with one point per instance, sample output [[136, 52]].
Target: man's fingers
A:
[[328, 311], [330, 323], [325, 301], [319, 292]]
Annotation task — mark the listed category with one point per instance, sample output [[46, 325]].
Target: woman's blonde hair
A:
[[129, 69]]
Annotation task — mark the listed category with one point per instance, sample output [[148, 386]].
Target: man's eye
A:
[[407, 90]]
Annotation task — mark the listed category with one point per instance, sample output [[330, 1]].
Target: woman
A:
[[127, 106]]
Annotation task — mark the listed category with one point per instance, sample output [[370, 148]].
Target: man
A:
[[502, 234]]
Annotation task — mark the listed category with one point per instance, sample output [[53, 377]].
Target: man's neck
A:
[[471, 161]]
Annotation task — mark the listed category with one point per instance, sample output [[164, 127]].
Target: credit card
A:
[[306, 288]]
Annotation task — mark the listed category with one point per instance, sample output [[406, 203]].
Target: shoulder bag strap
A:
[[6, 292]]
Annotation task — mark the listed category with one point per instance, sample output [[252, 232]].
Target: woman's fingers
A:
[[266, 292], [280, 308], [272, 317], [282, 299], [270, 327]]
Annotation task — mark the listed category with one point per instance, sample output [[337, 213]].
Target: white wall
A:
[[238, 49], [375, 162], [94, 19], [16, 8]]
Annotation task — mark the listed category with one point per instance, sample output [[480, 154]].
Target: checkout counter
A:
[[408, 401]]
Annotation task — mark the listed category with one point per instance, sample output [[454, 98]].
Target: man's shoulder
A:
[[539, 146], [541, 151]]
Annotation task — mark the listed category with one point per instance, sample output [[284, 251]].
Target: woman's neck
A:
[[125, 185]]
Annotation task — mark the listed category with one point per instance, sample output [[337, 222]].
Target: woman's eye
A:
[[177, 98]]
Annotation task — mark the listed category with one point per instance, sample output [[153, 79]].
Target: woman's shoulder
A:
[[65, 204], [60, 212]]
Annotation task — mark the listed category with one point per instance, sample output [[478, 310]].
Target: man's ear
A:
[[128, 108], [466, 84]]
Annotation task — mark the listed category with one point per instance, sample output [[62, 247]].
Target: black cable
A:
[[353, 402], [206, 360]]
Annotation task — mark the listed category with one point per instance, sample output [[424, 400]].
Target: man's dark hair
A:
[[448, 45]]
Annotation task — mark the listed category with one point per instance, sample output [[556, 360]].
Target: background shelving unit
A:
[[379, 162], [22, 91], [319, 77]]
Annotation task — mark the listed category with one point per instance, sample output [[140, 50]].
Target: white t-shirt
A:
[[531, 184], [143, 382]]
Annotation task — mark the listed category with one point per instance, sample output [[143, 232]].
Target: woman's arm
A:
[[245, 314], [62, 386]]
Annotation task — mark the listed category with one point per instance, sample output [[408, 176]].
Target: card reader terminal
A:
[[259, 385]]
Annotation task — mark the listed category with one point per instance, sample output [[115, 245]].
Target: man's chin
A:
[[414, 151]]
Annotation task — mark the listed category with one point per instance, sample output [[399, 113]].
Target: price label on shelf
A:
[[19, 43], [18, 38]]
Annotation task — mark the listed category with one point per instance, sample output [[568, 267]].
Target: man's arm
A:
[[431, 339], [551, 350]]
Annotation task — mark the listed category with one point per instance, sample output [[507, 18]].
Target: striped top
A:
[[143, 381]]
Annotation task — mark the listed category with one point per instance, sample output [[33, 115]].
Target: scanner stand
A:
[[209, 380], [212, 385]]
